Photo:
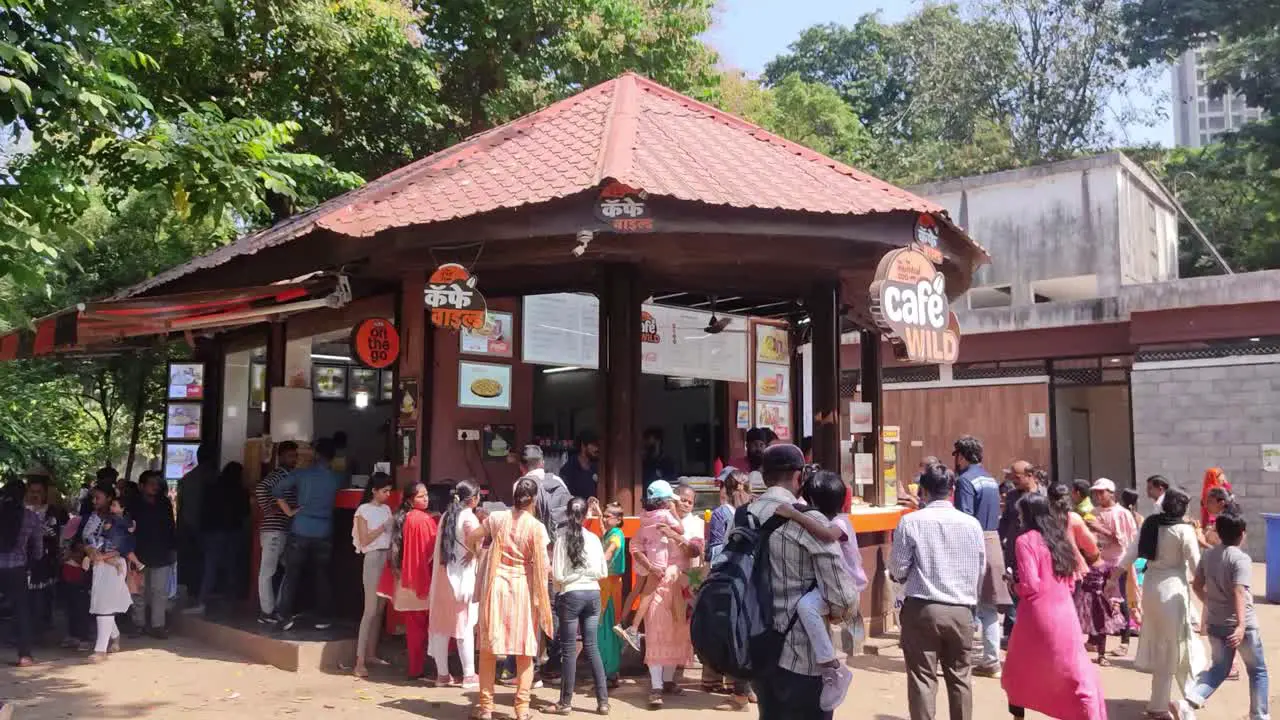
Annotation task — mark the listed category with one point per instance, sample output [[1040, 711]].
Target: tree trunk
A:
[[139, 403]]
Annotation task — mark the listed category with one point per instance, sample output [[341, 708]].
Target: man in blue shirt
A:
[[978, 494], [582, 473], [311, 536]]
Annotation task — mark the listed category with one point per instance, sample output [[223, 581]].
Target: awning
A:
[[97, 326]]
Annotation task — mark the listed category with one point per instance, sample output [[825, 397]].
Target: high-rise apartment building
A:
[[1198, 118]]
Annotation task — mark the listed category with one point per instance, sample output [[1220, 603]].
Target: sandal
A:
[[1103, 662], [360, 672], [734, 703], [559, 709], [655, 699], [480, 714], [602, 709], [377, 661], [672, 689]]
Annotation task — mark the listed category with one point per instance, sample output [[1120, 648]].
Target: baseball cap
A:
[[660, 490], [782, 456], [1104, 484]]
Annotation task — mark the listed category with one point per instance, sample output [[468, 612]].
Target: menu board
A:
[[674, 342], [771, 377], [186, 381], [179, 459], [363, 379], [561, 329], [493, 339], [182, 421], [484, 385], [388, 386], [329, 382]]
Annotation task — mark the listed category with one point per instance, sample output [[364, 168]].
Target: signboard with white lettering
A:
[[624, 209], [909, 302]]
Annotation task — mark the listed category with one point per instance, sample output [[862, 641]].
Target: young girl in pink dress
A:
[[1047, 668]]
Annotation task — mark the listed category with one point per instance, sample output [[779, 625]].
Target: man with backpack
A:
[[552, 508], [745, 621]]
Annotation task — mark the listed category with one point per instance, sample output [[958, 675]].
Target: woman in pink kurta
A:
[[514, 604], [1047, 668], [453, 608], [667, 642]]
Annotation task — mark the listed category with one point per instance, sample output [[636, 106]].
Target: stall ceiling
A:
[[762, 307]]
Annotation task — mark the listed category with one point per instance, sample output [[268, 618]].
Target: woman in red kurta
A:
[[407, 581]]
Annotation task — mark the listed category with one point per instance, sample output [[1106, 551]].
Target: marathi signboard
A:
[[624, 209], [454, 301], [909, 302]]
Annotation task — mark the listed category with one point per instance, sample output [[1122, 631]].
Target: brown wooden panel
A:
[[1208, 322], [995, 414]]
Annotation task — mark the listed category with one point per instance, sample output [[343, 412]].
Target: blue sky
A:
[[750, 33]]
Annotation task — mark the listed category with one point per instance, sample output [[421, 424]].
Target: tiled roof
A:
[[628, 129]]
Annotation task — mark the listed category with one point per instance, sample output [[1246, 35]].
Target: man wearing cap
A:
[[582, 473], [799, 561], [978, 494]]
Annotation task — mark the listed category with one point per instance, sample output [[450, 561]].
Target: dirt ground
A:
[[180, 678]]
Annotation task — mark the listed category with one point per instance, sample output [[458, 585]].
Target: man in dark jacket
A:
[[156, 545], [552, 508]]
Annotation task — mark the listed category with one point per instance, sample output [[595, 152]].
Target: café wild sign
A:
[[909, 302]]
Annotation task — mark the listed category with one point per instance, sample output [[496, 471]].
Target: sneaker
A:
[[288, 624], [323, 625], [1182, 710], [835, 686], [629, 635], [197, 609], [537, 684], [988, 671], [471, 682], [268, 619]]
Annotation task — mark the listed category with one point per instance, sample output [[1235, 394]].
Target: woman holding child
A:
[[108, 543], [667, 642]]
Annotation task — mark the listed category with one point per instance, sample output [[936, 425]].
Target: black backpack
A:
[[732, 630]]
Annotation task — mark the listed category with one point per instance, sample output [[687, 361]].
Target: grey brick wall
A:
[[1189, 419]]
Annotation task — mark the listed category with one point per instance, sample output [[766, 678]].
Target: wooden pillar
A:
[[620, 362], [213, 354], [872, 392], [824, 319], [416, 342]]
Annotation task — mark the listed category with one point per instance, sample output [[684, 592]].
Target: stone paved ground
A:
[[182, 679]]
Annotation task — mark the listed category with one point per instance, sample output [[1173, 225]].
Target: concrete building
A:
[[1085, 353], [1198, 118]]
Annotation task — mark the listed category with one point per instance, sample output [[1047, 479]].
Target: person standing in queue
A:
[[576, 568], [311, 536], [274, 534], [453, 587], [939, 557], [582, 473], [799, 562], [156, 547], [551, 507], [515, 605], [42, 499], [757, 440], [371, 535], [406, 582], [20, 548], [655, 465], [191, 492], [1023, 482], [978, 495]]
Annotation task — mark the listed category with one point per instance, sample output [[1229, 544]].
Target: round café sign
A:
[[376, 343], [909, 302]]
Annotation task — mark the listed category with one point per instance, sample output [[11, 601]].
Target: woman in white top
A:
[[1168, 648], [371, 537], [576, 570], [453, 607]]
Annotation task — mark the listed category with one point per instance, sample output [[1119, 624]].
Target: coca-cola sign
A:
[[909, 302]]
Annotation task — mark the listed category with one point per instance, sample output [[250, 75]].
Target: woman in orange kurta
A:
[[514, 604]]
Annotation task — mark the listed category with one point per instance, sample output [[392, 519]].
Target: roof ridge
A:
[[621, 124]]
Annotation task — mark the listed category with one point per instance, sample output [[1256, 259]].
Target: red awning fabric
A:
[[98, 325]]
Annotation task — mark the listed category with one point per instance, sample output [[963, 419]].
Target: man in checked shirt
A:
[[939, 555], [799, 561]]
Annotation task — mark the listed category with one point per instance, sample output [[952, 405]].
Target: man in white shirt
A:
[[939, 556]]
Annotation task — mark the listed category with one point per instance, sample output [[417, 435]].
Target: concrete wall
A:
[[1193, 415]]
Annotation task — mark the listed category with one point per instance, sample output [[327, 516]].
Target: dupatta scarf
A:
[[418, 552]]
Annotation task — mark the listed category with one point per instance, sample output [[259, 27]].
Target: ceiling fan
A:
[[717, 324]]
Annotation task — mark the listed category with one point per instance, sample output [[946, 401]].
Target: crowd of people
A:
[[518, 593]]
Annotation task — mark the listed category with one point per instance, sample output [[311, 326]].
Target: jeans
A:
[[580, 608], [988, 620], [1200, 688], [784, 695], [299, 553], [219, 556], [273, 544], [154, 596], [552, 645], [13, 585]]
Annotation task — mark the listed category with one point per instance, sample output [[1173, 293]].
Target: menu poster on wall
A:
[[257, 384], [771, 377], [859, 417], [744, 415], [408, 401], [561, 329], [186, 381], [493, 339], [179, 459], [182, 421], [675, 342], [329, 382], [363, 379], [388, 390], [484, 385]]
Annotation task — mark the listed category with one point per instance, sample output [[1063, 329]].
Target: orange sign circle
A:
[[376, 343]]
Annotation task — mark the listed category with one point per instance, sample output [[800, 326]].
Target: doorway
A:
[[1093, 421]]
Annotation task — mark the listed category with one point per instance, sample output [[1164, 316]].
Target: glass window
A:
[[1217, 122], [1203, 124], [1215, 105]]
